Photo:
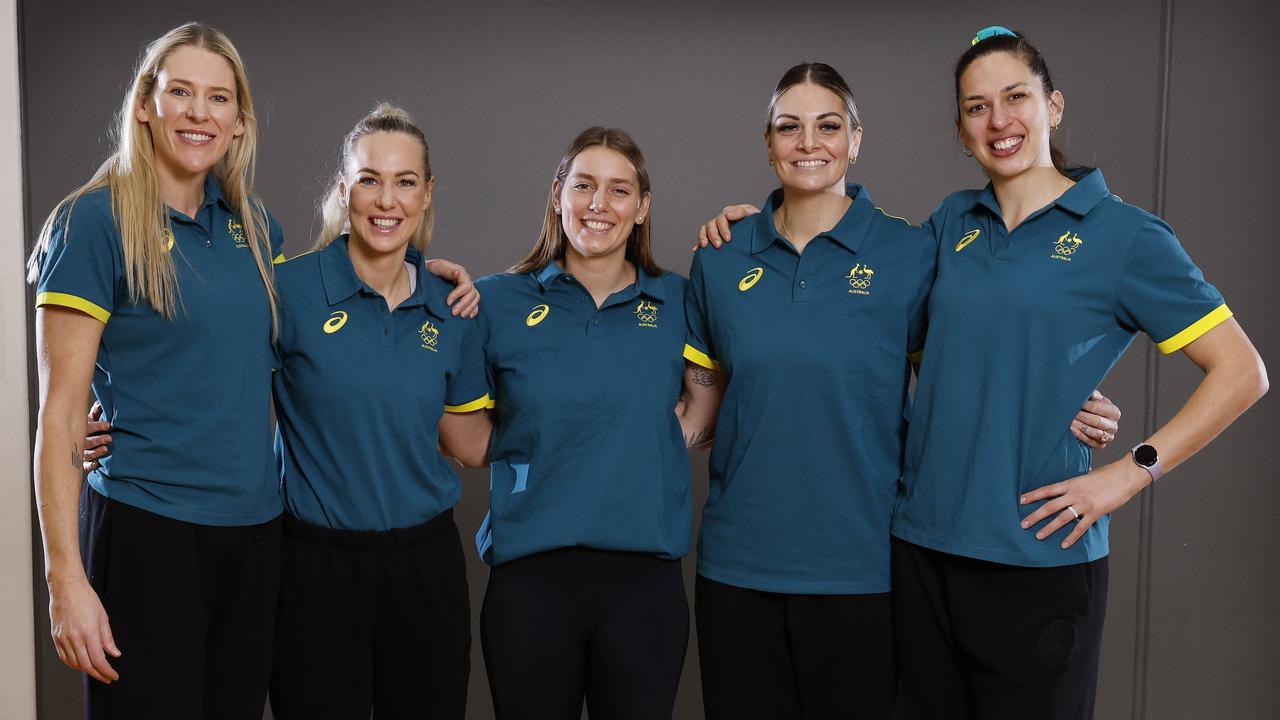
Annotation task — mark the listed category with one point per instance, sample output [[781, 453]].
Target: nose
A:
[[809, 138], [598, 200], [998, 117], [386, 196], [197, 109]]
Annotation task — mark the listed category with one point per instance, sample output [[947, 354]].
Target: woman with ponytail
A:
[[154, 285], [374, 610]]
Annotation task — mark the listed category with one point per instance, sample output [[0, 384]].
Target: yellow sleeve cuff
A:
[[697, 357], [479, 403], [916, 356], [278, 259], [1195, 330], [75, 303]]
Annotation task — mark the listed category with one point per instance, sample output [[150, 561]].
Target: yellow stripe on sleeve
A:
[[1195, 330], [479, 403], [75, 303], [697, 357], [278, 259]]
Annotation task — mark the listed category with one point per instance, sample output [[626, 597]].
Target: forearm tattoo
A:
[[75, 456], [698, 438], [704, 377]]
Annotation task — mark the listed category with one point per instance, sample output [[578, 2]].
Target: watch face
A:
[[1145, 455]]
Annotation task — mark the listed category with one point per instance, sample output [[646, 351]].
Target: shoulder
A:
[[93, 207], [673, 283], [300, 271], [504, 283]]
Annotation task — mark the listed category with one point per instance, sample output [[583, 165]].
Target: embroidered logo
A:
[[168, 239], [1066, 246], [236, 231], [968, 238], [539, 312], [751, 278], [430, 335], [335, 322], [860, 279], [646, 314]]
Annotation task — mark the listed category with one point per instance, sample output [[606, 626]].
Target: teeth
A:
[[196, 137], [811, 163], [596, 225], [1006, 143], [386, 222]]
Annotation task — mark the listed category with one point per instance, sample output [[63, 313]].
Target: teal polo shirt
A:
[[361, 390], [809, 439], [1023, 325], [587, 449], [188, 398]]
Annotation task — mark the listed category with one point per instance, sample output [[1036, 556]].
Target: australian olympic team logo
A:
[[536, 315], [646, 314], [1066, 246], [860, 279], [430, 335], [751, 278], [236, 231]]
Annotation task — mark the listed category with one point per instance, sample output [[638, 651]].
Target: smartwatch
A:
[[1146, 457]]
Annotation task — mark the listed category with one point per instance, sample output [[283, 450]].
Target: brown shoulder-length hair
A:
[[551, 242]]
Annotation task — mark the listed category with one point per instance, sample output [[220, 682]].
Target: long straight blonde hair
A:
[[334, 216], [136, 203]]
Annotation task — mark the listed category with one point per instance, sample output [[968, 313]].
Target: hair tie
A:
[[990, 32]]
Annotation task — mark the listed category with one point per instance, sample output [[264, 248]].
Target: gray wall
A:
[[501, 88]]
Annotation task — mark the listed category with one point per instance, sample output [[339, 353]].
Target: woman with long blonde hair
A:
[[155, 288]]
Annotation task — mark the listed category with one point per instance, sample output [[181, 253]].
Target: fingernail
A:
[[1064, 546], [1039, 536], [1023, 499], [1025, 524]]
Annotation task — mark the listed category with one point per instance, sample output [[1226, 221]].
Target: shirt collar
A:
[[646, 284], [1089, 190], [341, 281], [848, 232]]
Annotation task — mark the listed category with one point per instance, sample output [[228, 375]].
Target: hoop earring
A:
[[968, 153]]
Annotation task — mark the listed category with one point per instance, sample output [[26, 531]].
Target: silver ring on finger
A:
[[1075, 515], [1105, 437]]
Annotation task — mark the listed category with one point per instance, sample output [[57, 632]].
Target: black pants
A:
[[982, 640], [372, 621], [191, 608], [564, 624], [777, 656]]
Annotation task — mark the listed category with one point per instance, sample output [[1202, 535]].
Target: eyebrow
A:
[[823, 115], [1005, 89], [372, 171], [612, 181], [218, 88]]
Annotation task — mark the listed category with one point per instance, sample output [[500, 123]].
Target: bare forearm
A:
[[465, 436], [58, 481], [700, 404]]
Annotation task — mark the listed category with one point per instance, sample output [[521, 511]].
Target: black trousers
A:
[[191, 608], [566, 624], [372, 622], [777, 656], [985, 641]]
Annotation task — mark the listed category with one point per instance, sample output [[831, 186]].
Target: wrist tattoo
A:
[[75, 456], [704, 377]]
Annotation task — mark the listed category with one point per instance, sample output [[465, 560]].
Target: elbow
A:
[[473, 459], [1259, 379]]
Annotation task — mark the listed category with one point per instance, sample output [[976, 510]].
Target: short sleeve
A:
[[1163, 293], [467, 389], [82, 268], [697, 348], [918, 310], [275, 237]]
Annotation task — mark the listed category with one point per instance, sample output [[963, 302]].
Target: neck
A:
[[183, 193], [1027, 192], [601, 276], [384, 272], [804, 215]]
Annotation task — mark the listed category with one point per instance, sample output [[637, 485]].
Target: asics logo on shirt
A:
[[968, 238], [335, 322], [751, 278], [168, 239], [539, 312]]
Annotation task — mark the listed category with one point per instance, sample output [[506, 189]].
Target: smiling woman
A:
[[163, 256]]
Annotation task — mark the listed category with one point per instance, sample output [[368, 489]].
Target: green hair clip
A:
[[990, 32]]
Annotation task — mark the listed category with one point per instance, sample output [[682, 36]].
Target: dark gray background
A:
[[500, 89]]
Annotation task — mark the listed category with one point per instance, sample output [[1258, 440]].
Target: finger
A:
[[102, 668], [1077, 532], [1046, 491], [1051, 507], [722, 228], [108, 639], [95, 412], [459, 292], [470, 305], [702, 238], [95, 442], [1096, 421], [1095, 444], [97, 427], [1061, 519]]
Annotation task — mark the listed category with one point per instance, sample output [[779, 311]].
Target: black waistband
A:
[[428, 531]]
